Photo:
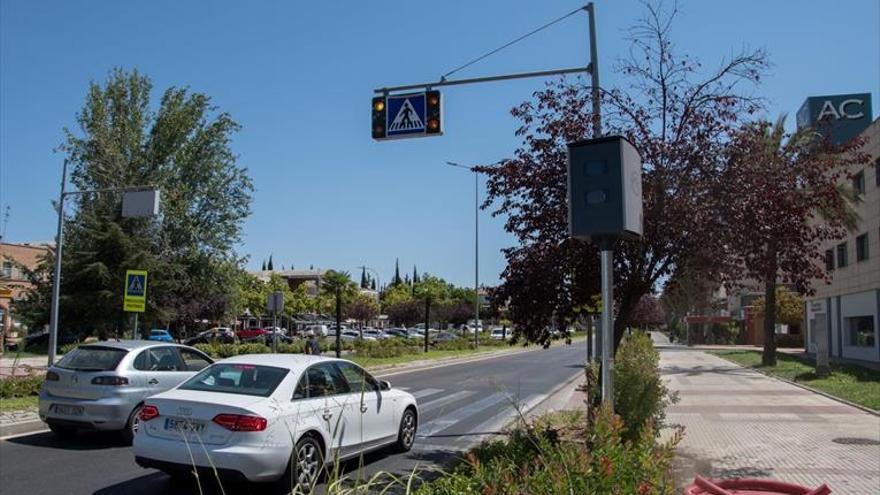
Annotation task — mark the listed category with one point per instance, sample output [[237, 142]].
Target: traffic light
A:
[[380, 116], [433, 124]]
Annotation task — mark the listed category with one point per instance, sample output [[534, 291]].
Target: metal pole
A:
[[594, 72], [607, 322], [56, 281], [135, 335], [437, 84], [274, 331], [476, 259]]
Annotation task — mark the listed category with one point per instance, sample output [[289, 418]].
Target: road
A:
[[459, 404]]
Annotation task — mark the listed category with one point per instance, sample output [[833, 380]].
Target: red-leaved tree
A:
[[782, 198], [679, 116]]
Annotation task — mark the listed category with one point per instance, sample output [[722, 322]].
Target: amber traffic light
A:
[[379, 117], [433, 114]]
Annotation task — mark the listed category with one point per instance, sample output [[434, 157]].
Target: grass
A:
[[18, 403], [423, 356], [849, 382]]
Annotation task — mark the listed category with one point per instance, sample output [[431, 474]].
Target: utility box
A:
[[604, 189], [140, 203]]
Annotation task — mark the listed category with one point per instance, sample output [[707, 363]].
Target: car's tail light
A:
[[149, 412], [110, 380], [51, 376], [239, 422]]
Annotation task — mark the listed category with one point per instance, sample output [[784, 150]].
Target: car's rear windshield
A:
[[237, 378], [92, 358]]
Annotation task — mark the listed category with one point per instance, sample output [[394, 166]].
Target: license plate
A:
[[184, 425], [68, 410]]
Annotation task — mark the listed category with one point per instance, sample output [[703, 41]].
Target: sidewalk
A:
[[740, 423]]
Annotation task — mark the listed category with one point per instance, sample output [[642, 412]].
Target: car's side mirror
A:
[[384, 385]]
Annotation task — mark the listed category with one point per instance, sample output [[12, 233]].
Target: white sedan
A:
[[273, 418]]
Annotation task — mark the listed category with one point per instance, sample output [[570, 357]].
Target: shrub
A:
[[570, 458], [209, 349], [384, 348], [68, 347], [20, 386], [285, 348], [455, 345], [640, 394], [789, 340], [253, 348], [227, 350]]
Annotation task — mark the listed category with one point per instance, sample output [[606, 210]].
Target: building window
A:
[[860, 330], [858, 182], [829, 260], [862, 247], [841, 255], [6, 270]]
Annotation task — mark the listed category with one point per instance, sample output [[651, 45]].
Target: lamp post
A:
[[138, 210], [476, 244]]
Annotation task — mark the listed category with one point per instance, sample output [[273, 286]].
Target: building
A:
[[14, 283], [311, 279], [847, 311]]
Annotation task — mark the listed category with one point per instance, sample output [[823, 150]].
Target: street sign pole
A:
[[135, 335], [607, 257]]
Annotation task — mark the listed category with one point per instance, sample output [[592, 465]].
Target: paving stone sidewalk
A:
[[741, 423]]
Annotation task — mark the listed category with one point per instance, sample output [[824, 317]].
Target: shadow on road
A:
[[82, 441]]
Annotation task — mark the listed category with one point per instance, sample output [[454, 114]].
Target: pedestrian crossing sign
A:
[[407, 115], [135, 299]]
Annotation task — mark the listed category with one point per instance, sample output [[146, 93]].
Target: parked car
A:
[[267, 418], [444, 337], [102, 386], [350, 335], [499, 334], [251, 333], [375, 333], [397, 332], [282, 339], [158, 335], [218, 335]]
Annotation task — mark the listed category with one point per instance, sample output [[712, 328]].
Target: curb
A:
[[554, 392], [807, 388], [23, 428]]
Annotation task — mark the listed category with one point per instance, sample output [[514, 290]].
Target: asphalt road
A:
[[459, 404]]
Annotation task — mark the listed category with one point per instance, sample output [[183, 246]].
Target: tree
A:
[[339, 285], [269, 266], [406, 313], [373, 284], [396, 280], [415, 276], [264, 266], [364, 278], [183, 148], [789, 307], [775, 186], [431, 289], [362, 308], [648, 313], [679, 117]]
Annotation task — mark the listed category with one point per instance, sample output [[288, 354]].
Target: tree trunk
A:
[[338, 322], [427, 319], [589, 336], [768, 358]]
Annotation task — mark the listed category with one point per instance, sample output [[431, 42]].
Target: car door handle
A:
[[153, 381], [327, 415]]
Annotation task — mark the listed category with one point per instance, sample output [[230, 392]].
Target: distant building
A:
[[311, 279], [849, 307], [14, 284]]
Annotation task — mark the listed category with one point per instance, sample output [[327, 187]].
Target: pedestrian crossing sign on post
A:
[[409, 115], [135, 300]]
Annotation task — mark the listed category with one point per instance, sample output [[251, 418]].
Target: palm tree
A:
[[340, 285]]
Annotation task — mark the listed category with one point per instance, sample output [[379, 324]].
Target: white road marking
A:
[[447, 420], [425, 392], [446, 399]]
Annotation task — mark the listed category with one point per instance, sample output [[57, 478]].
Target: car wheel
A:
[[406, 435], [61, 431], [304, 470], [132, 425]]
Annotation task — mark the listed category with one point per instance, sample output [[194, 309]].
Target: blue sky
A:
[[299, 77]]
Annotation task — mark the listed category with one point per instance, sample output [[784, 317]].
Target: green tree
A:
[[789, 307], [183, 148], [431, 290], [269, 266], [339, 285], [396, 280]]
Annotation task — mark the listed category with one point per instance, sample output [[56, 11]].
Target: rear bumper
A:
[[173, 467], [102, 414], [251, 462]]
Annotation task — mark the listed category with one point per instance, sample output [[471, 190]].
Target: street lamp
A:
[[136, 209], [476, 244]]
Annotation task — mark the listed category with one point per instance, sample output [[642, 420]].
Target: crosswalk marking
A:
[[426, 392], [447, 420], [446, 399]]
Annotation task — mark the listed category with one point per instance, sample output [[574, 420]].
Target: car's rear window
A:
[[237, 378], [92, 358]]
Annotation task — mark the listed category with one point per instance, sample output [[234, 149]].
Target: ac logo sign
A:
[[844, 110]]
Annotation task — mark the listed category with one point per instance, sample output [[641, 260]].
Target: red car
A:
[[251, 333]]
